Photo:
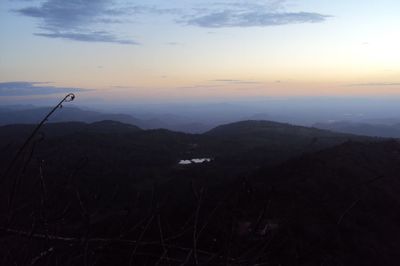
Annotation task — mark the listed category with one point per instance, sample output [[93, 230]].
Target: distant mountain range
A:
[[249, 142], [365, 129], [31, 115], [68, 114]]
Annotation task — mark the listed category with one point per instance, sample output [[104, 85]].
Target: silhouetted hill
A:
[[110, 126], [265, 129], [193, 128], [69, 114], [52, 130], [275, 140], [243, 143], [336, 205], [105, 188], [373, 130], [111, 148]]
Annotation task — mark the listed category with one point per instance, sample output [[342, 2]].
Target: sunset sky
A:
[[176, 50]]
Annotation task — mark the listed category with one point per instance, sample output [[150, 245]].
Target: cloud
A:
[[60, 14], [78, 20], [88, 20], [173, 43], [245, 14], [374, 84], [236, 81], [21, 88], [97, 36], [229, 18], [143, 9]]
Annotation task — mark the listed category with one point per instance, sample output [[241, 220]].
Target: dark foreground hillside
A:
[[338, 206], [273, 194]]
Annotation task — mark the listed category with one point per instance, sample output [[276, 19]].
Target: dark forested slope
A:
[[107, 193]]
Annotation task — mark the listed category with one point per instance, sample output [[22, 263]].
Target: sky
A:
[[159, 51]]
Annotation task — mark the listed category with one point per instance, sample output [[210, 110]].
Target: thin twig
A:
[[347, 211], [72, 240], [132, 258], [195, 233], [68, 98], [161, 241]]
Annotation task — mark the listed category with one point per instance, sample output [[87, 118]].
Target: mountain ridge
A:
[[360, 128]]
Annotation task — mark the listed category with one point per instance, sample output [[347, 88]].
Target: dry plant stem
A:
[[165, 253], [196, 221], [189, 255], [68, 98], [347, 211], [206, 223], [132, 258], [75, 240]]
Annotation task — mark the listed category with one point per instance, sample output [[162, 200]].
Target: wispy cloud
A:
[[375, 84], [229, 18], [173, 43], [236, 81], [96, 36], [77, 20], [59, 14], [245, 14], [22, 88]]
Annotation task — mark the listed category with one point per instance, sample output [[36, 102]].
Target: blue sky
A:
[[178, 50]]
